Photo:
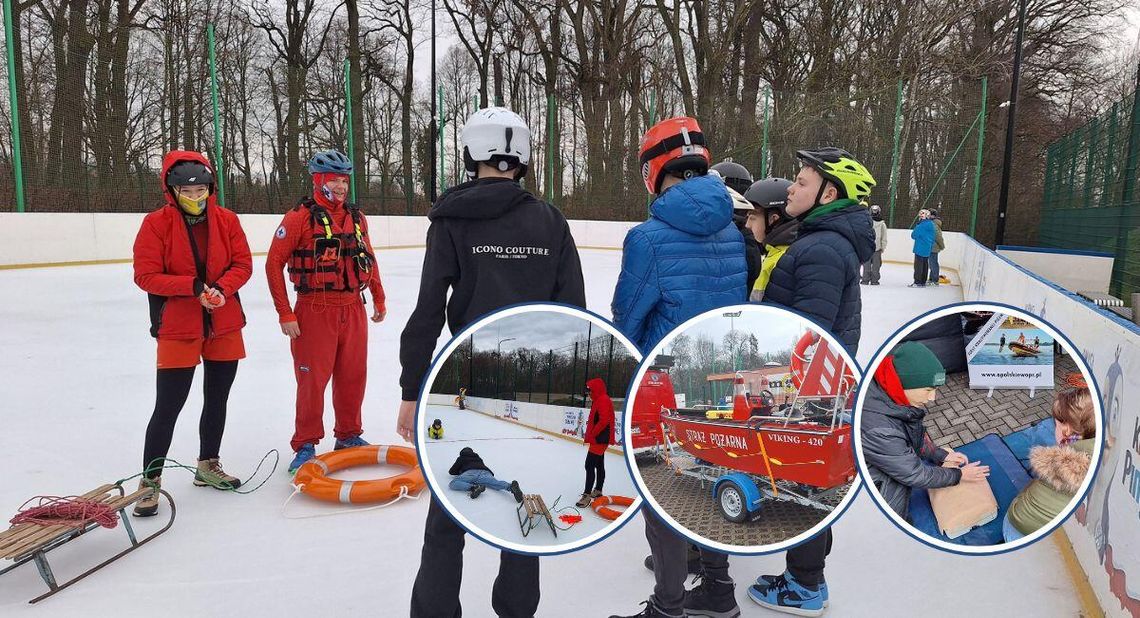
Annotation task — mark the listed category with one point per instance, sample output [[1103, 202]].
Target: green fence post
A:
[[978, 164], [1106, 191], [550, 146], [764, 139], [895, 156], [218, 163], [652, 121], [1090, 163], [14, 110], [350, 128], [549, 374]]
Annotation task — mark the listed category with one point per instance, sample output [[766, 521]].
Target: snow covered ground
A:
[[542, 464], [77, 385]]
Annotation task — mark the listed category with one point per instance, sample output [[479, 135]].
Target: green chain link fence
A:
[[1091, 201]]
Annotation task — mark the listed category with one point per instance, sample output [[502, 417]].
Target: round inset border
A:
[[421, 404], [1082, 365], [659, 511]]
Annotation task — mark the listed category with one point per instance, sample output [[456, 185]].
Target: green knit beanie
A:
[[917, 366]]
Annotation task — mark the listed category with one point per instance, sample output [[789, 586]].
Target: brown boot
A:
[[596, 493], [211, 474], [148, 506], [584, 501]]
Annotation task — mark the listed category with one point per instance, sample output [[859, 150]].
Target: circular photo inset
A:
[[519, 432], [978, 428], [739, 430]]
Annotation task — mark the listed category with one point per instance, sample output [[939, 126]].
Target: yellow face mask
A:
[[191, 207]]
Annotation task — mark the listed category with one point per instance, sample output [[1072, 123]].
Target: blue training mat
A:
[[1007, 479], [1039, 434]]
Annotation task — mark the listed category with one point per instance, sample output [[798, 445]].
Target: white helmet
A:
[[497, 136]]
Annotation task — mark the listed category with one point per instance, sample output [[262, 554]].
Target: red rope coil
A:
[[71, 511]]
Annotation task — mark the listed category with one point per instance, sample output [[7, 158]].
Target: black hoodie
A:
[[493, 244], [468, 460]]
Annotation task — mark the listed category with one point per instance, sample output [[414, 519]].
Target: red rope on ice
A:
[[71, 511]]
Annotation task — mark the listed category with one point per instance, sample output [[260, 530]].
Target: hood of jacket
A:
[[597, 388], [482, 198], [853, 222], [699, 206], [1063, 467], [175, 156]]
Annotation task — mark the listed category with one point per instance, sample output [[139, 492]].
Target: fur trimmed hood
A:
[[1062, 467]]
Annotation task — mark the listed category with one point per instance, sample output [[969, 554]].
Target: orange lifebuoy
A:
[[799, 357], [601, 506], [312, 477]]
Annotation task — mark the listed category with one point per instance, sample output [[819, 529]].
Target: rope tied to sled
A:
[[70, 511]]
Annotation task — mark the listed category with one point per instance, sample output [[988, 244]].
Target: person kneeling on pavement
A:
[[899, 454], [474, 477]]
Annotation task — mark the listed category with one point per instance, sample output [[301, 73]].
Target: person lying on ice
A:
[[818, 276], [686, 259], [899, 454], [491, 243], [473, 476], [324, 241], [191, 258], [599, 436]]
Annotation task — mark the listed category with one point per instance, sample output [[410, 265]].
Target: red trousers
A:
[[333, 344]]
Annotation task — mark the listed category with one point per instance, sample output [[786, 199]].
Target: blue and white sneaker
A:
[[305, 453], [788, 596], [350, 442], [765, 581]]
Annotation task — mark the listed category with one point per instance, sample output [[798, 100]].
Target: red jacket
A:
[[600, 424], [166, 271]]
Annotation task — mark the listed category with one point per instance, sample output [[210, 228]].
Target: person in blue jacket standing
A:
[[923, 235], [686, 259]]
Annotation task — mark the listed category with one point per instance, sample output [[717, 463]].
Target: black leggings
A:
[[595, 467], [173, 388]]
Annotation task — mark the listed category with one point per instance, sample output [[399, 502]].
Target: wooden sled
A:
[[535, 513], [31, 542]]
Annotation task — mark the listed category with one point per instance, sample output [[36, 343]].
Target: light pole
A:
[[499, 361], [1007, 161]]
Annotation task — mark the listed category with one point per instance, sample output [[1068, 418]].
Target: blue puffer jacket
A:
[[819, 274], [686, 259], [923, 235]]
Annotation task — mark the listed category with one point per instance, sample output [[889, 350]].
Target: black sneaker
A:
[[476, 490], [516, 491], [650, 611], [712, 598]]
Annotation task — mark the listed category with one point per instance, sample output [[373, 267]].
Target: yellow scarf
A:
[[768, 265]]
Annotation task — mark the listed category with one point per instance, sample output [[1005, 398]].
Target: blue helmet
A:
[[330, 161]]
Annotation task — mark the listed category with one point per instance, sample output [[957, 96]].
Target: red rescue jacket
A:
[[600, 424], [166, 270]]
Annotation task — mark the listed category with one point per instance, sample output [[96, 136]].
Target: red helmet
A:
[[672, 146]]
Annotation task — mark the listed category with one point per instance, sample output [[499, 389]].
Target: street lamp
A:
[[499, 362]]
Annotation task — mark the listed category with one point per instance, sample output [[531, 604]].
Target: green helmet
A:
[[840, 168]]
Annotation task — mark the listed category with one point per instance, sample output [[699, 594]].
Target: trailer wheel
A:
[[731, 501]]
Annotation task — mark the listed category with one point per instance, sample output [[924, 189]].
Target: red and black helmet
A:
[[673, 146]]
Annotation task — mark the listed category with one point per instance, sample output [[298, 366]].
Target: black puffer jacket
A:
[[819, 274], [753, 252], [468, 460], [898, 455]]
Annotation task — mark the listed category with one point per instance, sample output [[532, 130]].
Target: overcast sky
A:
[[773, 333], [541, 330]]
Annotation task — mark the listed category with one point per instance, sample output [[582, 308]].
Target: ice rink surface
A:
[[542, 464], [77, 383]]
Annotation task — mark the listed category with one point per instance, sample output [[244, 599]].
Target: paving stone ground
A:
[[961, 414], [692, 505]]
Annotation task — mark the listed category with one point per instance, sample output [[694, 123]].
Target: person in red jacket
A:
[[325, 244], [599, 435], [191, 258]]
